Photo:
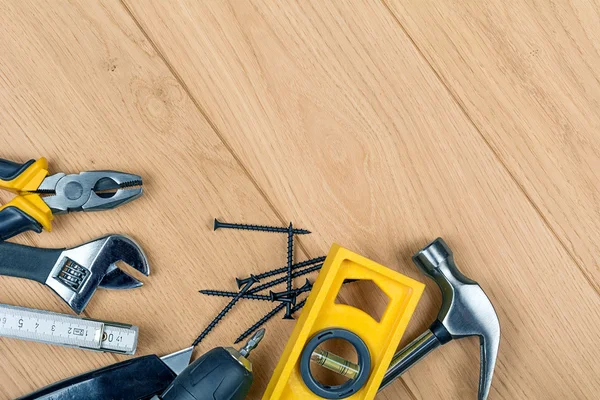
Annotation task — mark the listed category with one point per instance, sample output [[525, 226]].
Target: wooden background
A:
[[379, 125]]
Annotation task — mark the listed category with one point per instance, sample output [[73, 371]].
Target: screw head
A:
[[307, 286], [243, 282], [288, 312]]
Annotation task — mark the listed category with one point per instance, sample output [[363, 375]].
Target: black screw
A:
[[222, 293], [281, 270], [289, 301], [299, 306], [277, 296], [290, 256], [270, 284], [242, 282], [263, 228], [260, 322], [223, 312], [277, 281], [272, 313], [266, 319], [294, 309]]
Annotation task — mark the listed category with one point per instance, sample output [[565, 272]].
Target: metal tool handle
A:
[[139, 378], [27, 262], [409, 356], [14, 221], [10, 170]]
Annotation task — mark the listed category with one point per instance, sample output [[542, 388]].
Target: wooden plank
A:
[[82, 86], [344, 126], [526, 73]]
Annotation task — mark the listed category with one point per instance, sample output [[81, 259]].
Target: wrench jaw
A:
[[125, 249], [81, 270], [115, 279]]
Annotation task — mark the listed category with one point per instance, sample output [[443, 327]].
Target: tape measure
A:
[[66, 330]]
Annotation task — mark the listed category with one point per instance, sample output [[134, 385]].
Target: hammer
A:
[[466, 311]]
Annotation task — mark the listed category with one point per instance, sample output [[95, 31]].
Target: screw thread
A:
[[262, 228], [222, 293], [290, 256], [260, 322], [298, 306], [222, 314], [277, 281], [268, 317], [281, 270], [294, 292]]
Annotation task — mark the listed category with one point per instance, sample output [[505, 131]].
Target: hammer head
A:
[[466, 310]]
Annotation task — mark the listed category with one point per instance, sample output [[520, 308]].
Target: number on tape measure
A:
[[65, 330]]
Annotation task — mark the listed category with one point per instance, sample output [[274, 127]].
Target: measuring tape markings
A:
[[65, 330]]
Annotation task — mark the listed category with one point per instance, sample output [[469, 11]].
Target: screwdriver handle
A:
[[217, 375]]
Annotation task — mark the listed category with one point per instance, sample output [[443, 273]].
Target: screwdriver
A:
[[222, 373]]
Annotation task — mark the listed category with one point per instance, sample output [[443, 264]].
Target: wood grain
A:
[[323, 113], [343, 124], [526, 73], [81, 85]]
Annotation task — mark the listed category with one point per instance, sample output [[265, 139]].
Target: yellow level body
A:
[[322, 312]]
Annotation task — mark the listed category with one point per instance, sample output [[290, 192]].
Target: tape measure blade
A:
[[120, 339], [62, 330]]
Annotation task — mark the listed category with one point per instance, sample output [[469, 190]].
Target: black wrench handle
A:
[[27, 262]]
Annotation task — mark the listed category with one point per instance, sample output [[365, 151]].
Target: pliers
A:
[[40, 196]]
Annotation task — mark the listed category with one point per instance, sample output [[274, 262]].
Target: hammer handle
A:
[[409, 356]]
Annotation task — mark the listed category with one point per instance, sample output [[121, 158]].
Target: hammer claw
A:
[[466, 311], [488, 353]]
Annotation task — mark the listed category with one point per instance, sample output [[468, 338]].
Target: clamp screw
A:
[[263, 228]]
